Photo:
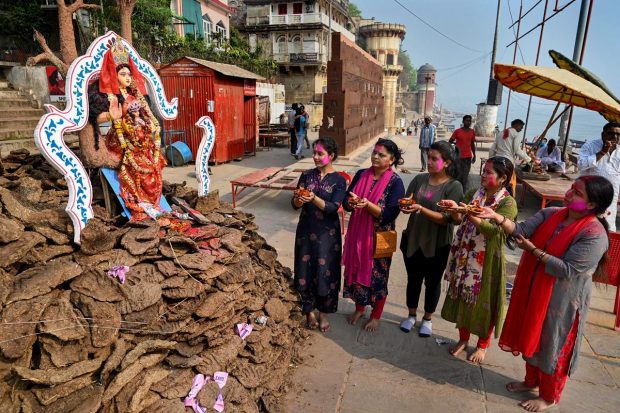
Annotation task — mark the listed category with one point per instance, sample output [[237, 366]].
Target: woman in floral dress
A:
[[476, 269], [373, 200], [318, 240]]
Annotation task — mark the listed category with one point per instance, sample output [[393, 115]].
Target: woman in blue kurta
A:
[[318, 240], [373, 200]]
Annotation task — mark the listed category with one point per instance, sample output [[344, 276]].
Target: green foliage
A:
[[18, 20], [409, 76], [354, 11]]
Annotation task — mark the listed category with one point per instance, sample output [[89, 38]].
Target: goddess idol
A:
[[119, 97]]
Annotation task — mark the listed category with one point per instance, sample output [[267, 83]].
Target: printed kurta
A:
[[489, 307], [388, 203], [318, 243]]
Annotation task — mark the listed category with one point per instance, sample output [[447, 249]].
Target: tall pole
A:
[[494, 51], [529, 103], [514, 60], [579, 43]]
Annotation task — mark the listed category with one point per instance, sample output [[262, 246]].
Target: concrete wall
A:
[[32, 81], [276, 95]]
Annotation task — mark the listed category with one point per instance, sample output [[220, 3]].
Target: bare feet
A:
[[323, 323], [519, 387], [478, 355], [354, 318], [371, 325], [311, 323], [536, 405], [458, 348]]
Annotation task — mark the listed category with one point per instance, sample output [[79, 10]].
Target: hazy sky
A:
[[463, 74]]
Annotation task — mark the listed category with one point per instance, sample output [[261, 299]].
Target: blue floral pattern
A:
[[204, 152]]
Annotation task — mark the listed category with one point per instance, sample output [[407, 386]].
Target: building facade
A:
[[206, 19], [296, 34], [383, 42]]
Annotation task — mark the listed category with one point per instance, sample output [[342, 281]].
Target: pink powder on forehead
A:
[[378, 148]]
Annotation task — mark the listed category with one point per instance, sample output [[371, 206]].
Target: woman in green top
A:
[[426, 241], [476, 270]]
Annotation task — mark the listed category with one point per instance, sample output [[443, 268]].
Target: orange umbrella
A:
[[558, 85]]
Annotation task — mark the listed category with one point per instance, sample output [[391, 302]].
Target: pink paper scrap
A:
[[118, 271], [243, 330]]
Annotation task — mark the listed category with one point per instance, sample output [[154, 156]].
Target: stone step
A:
[[21, 122], [9, 94], [12, 133], [28, 143], [12, 112], [4, 84], [16, 103]]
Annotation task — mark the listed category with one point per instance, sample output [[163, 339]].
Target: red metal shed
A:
[[226, 93]]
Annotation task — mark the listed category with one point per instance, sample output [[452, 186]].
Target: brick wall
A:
[[353, 105]]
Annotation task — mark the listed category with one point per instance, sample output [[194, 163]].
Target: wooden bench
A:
[[280, 179], [266, 137]]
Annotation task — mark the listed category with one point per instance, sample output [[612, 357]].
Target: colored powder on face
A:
[[578, 205], [439, 163], [491, 181], [379, 148], [325, 159]]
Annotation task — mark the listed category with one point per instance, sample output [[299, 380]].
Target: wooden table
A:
[[277, 178], [552, 190], [273, 136]]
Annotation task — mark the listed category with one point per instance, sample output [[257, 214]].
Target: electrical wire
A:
[[436, 30], [470, 64], [445, 69]]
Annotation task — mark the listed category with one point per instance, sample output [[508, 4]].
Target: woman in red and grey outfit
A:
[[563, 248]]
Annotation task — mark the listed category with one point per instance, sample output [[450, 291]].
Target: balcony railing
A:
[[294, 19], [299, 58]]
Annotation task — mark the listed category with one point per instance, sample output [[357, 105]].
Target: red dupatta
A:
[[533, 286]]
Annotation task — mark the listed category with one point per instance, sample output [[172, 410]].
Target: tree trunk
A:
[[125, 8]]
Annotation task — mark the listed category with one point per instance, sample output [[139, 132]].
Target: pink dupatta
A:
[[360, 239]]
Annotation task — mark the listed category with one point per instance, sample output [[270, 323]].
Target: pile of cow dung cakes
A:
[[75, 339]]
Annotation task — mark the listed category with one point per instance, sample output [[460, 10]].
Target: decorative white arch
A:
[[204, 152], [49, 132]]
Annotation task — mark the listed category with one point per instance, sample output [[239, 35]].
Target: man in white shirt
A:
[[600, 157], [508, 143]]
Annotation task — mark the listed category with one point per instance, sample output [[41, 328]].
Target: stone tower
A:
[[383, 41], [425, 92]]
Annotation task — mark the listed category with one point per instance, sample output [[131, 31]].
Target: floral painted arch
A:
[[49, 132]]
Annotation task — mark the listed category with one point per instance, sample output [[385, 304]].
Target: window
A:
[[390, 59], [296, 44], [207, 28], [220, 29], [282, 9], [298, 8], [281, 44]]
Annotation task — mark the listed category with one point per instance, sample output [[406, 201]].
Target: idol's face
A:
[[124, 77]]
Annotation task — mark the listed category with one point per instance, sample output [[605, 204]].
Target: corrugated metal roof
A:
[[226, 69]]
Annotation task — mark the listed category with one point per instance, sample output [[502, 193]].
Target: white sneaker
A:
[[407, 324], [426, 328]]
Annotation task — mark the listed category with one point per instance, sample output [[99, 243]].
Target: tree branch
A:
[[47, 55], [79, 4]]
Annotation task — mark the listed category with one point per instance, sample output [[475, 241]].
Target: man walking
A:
[[465, 140], [602, 157], [427, 137], [306, 125], [291, 128]]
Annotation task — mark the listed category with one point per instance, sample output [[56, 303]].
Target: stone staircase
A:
[[19, 115]]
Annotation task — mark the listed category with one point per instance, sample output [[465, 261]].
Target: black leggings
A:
[[430, 270]]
